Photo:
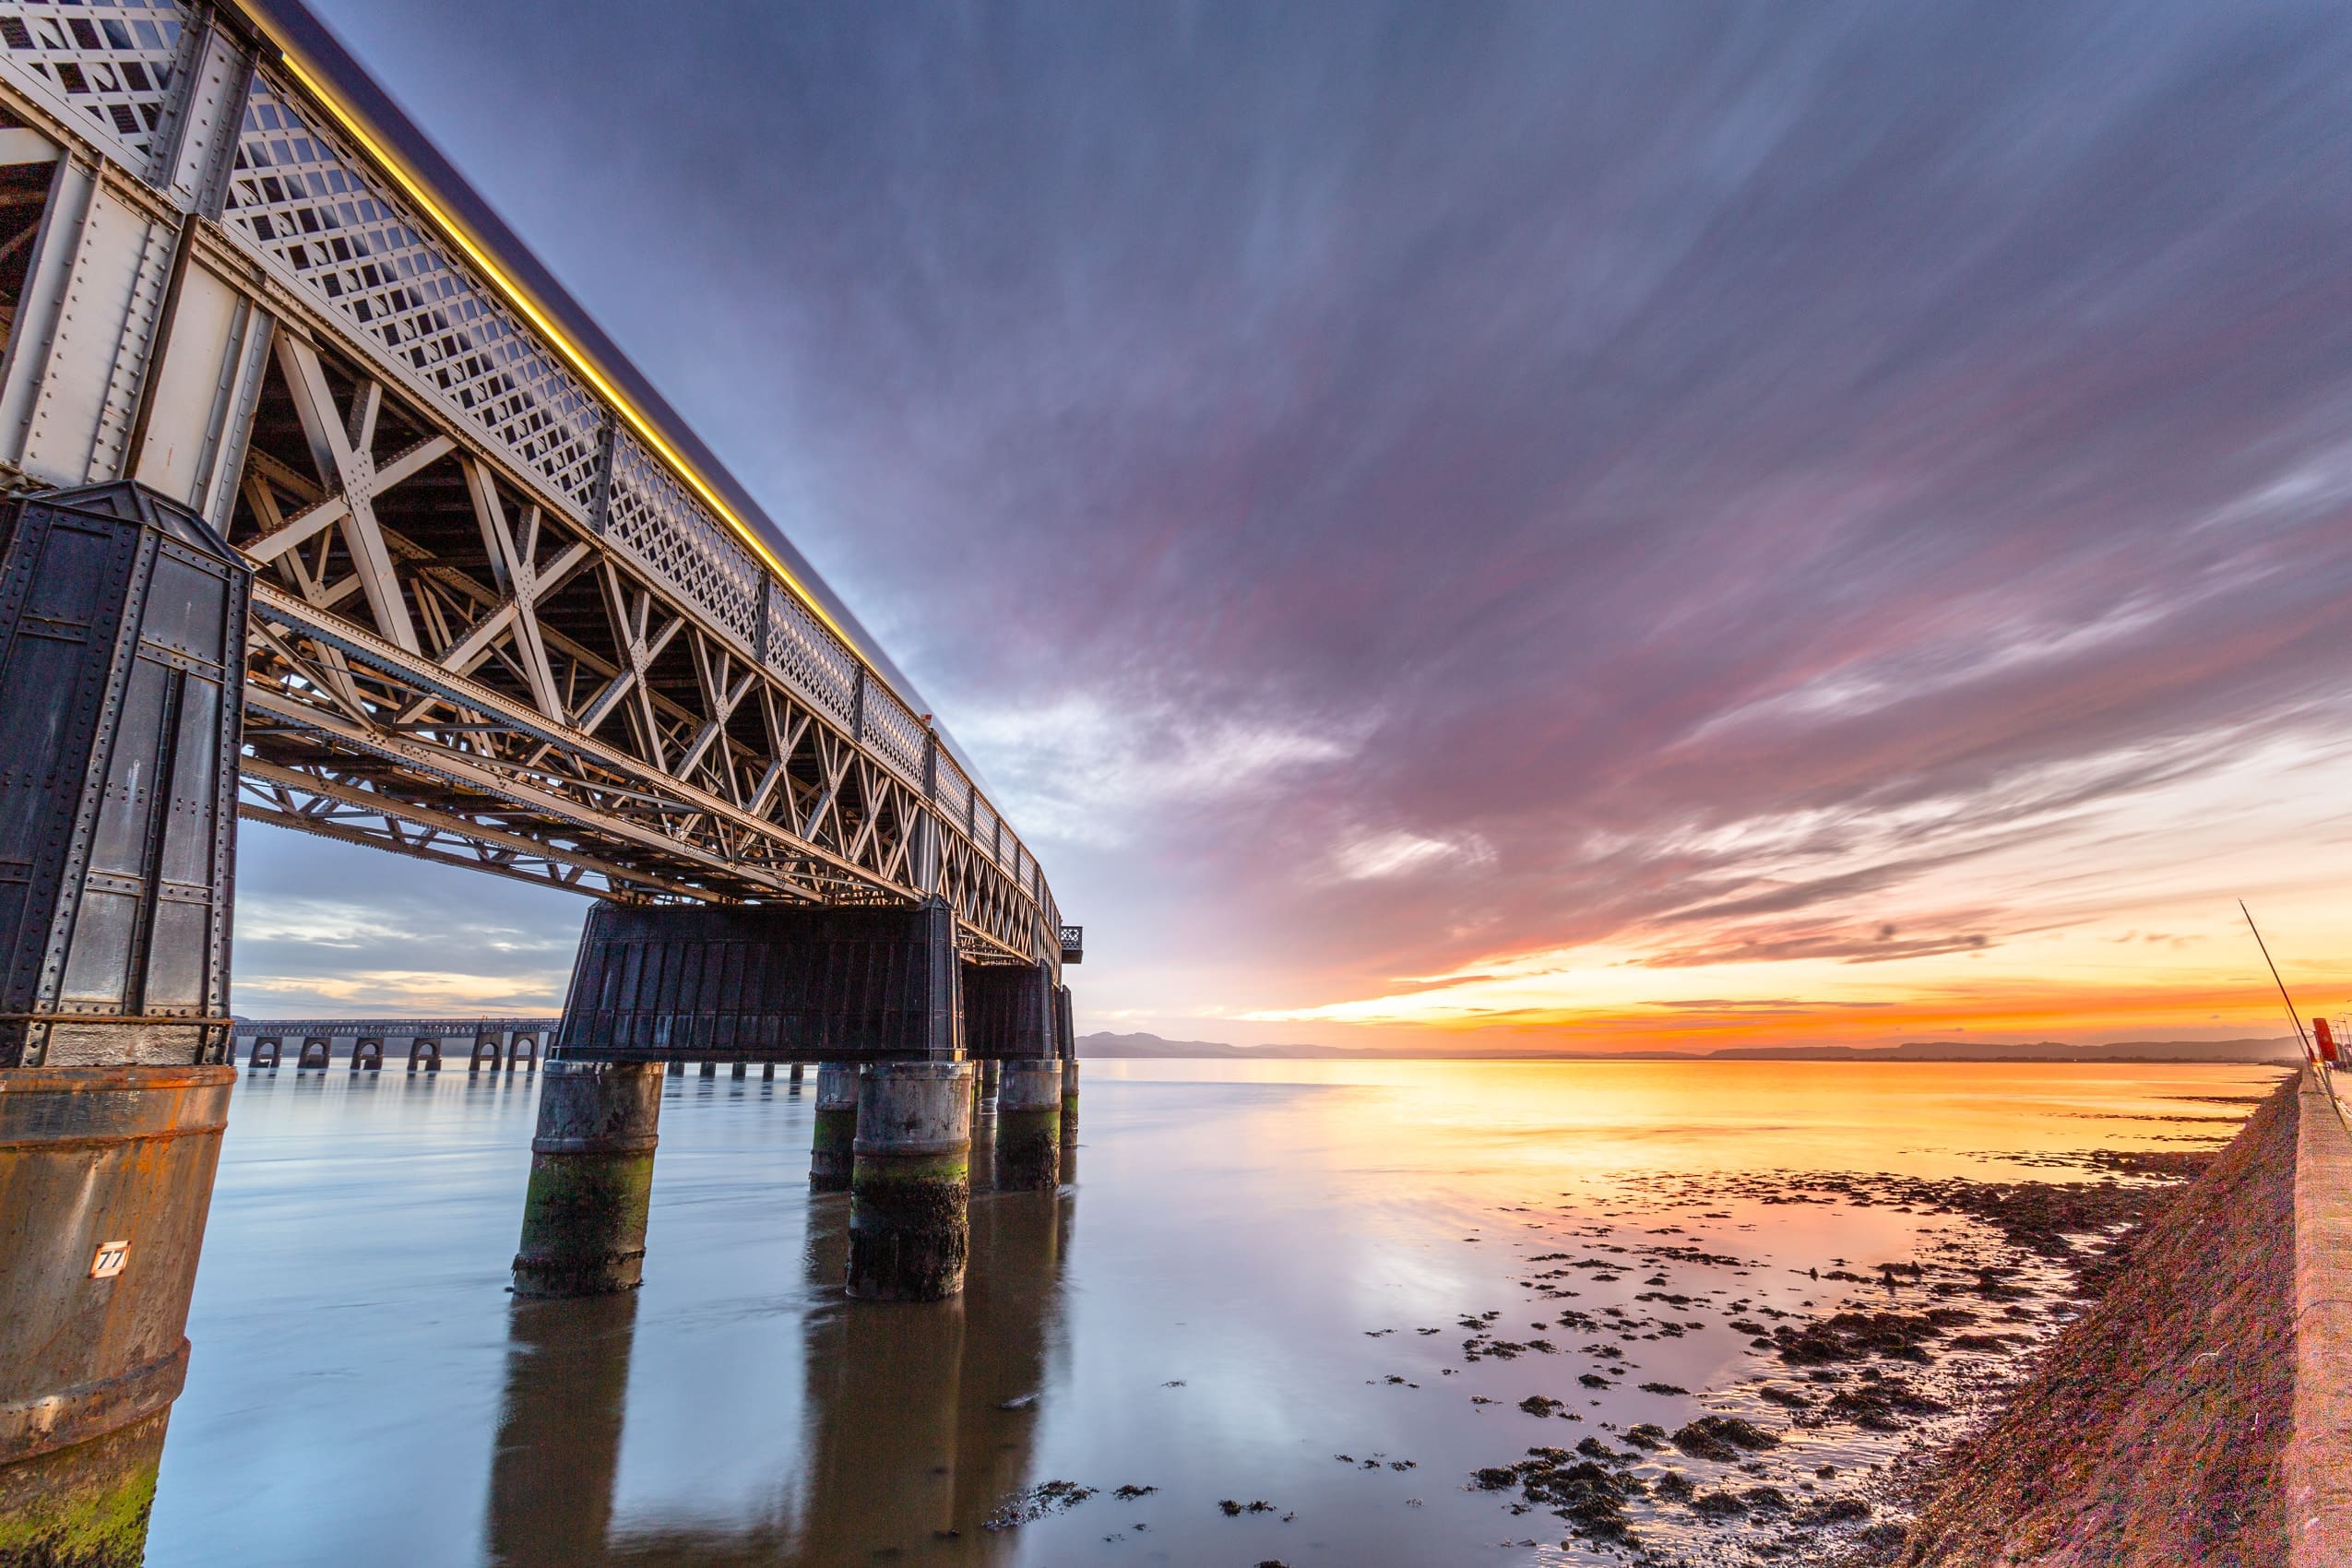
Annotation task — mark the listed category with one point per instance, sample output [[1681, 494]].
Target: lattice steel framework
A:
[[496, 623]]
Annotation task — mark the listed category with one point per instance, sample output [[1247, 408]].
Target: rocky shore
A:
[[2152, 1431]]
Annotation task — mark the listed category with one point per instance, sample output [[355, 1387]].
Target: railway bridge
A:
[[327, 507]]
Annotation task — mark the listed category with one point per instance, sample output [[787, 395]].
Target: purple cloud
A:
[[1385, 486]]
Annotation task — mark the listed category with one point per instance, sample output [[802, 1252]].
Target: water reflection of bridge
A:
[[907, 1445]]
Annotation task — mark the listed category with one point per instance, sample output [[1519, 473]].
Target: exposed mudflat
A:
[[2068, 1372]]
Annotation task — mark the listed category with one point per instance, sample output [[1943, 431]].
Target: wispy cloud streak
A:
[[1393, 489]]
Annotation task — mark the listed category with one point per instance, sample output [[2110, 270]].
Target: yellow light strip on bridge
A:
[[517, 296]]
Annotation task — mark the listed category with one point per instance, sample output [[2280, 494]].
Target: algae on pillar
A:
[[591, 1182], [1028, 1126], [910, 1195], [1070, 1100], [831, 1148]]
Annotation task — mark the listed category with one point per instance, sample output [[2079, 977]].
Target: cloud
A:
[[1402, 490]]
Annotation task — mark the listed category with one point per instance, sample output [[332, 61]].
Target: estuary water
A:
[[1294, 1307]]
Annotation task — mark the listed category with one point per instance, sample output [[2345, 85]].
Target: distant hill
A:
[[1153, 1047], [2286, 1050]]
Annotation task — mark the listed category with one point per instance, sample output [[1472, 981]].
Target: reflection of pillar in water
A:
[[1011, 1320], [559, 1433], [882, 1413]]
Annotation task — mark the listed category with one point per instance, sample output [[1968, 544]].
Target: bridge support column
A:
[[832, 1150], [105, 1179], [989, 1080], [794, 1081], [910, 1195], [1028, 1127], [591, 1183], [122, 646], [1065, 1046]]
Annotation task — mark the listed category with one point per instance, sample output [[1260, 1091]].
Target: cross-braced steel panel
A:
[[654, 518], [339, 234], [107, 63]]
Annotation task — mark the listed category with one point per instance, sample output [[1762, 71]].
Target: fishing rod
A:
[[2292, 1016]]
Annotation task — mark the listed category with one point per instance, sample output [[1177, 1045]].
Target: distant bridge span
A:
[[508, 612]]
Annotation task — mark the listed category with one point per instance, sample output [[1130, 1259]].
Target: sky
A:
[[1499, 528]]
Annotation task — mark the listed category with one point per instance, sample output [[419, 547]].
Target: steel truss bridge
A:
[[509, 613]]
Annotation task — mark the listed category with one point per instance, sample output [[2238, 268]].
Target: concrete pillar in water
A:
[[591, 1183], [1070, 1100], [832, 1152], [910, 1195], [1028, 1127], [794, 1079], [991, 1075], [767, 1073], [736, 1072], [710, 1069], [105, 1178]]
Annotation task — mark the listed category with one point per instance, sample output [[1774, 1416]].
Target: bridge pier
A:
[[910, 1194], [1028, 1127], [591, 1182], [832, 1149], [122, 639], [1065, 1046]]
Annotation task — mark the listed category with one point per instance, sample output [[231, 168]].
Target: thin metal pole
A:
[[2292, 1016]]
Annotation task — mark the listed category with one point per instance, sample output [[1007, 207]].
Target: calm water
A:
[[1234, 1289]]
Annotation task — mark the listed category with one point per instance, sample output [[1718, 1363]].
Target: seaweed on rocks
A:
[[1591, 1494], [1853, 1336], [1723, 1438], [1027, 1507], [1875, 1406]]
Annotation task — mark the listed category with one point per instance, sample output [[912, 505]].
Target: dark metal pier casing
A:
[[765, 983], [121, 644], [1008, 1012]]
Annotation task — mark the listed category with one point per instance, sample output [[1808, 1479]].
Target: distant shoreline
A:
[[2282, 1052]]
